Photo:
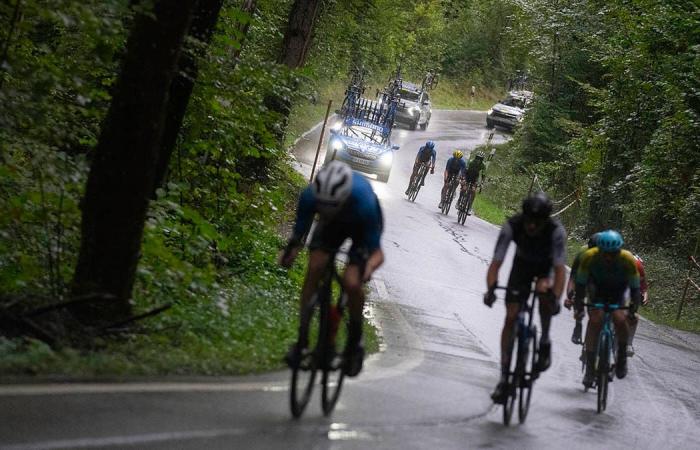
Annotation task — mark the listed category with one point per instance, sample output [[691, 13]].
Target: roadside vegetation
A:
[[175, 207]]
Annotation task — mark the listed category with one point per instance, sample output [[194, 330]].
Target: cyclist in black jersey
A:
[[540, 253]]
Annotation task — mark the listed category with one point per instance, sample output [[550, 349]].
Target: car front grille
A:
[[361, 154], [503, 115]]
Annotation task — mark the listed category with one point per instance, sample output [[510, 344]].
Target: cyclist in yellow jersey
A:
[[606, 271]]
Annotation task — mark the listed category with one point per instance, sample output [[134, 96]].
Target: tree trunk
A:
[[122, 172], [201, 30], [295, 46], [297, 38]]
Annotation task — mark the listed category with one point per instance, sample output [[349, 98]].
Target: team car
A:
[[414, 106], [362, 137], [509, 112]]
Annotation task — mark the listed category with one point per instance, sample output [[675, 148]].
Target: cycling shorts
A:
[[329, 237], [521, 276], [471, 177]]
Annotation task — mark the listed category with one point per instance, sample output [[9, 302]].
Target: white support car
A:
[[509, 112]]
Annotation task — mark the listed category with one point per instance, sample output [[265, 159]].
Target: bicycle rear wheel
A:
[[602, 373], [332, 367], [304, 374], [461, 212], [529, 357]]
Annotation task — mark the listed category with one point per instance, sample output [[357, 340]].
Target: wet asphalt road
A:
[[428, 389]]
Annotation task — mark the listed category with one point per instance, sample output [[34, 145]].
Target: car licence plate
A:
[[364, 162]]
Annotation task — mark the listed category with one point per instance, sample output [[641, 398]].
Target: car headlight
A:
[[337, 144], [414, 110], [489, 112], [386, 159], [520, 118]]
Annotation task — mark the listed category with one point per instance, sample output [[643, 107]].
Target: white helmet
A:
[[333, 184]]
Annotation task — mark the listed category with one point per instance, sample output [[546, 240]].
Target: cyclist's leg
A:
[[621, 334], [595, 322], [353, 286]]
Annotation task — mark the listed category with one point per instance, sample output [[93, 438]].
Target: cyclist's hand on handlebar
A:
[[489, 297], [287, 256], [568, 303]]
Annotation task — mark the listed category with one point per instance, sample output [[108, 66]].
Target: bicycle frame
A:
[[524, 333], [605, 351]]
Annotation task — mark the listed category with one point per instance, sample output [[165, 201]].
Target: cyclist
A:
[[426, 155], [633, 319], [347, 208], [540, 251], [455, 167], [607, 271], [471, 175], [568, 303]]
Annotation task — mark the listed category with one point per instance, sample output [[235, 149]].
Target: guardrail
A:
[[693, 265]]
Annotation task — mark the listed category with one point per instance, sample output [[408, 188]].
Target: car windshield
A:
[[410, 95], [366, 134], [518, 102]]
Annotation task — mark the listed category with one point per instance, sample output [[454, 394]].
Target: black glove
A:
[[432, 170], [489, 297]]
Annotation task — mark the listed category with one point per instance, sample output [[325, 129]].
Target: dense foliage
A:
[[617, 115]]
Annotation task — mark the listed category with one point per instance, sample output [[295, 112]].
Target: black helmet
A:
[[593, 240], [537, 206]]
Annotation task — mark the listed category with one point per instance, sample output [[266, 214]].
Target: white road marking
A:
[[122, 441]]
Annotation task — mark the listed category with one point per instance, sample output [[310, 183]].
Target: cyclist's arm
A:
[[499, 254], [433, 155], [305, 215], [374, 225], [559, 259], [643, 287], [583, 274]]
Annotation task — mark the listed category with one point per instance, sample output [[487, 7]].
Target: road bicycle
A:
[[464, 202], [325, 315], [418, 181], [452, 182], [606, 353], [522, 371]]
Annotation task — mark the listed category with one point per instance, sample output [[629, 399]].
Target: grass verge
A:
[[456, 94], [232, 313]]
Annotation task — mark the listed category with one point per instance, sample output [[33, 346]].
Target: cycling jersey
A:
[[360, 217], [642, 275], [473, 169], [607, 279], [426, 154], [455, 166], [547, 247]]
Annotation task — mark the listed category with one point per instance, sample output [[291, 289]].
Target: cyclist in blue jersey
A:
[[456, 166], [347, 208], [426, 155]]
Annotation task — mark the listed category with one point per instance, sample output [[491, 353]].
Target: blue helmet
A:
[[430, 145], [609, 241]]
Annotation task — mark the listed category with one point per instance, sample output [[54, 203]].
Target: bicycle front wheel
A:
[[304, 373], [603, 371], [528, 374], [512, 381]]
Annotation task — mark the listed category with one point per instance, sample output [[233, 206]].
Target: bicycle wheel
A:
[[304, 374], [512, 381], [461, 213], [333, 373], [470, 200], [602, 373], [450, 197], [529, 374]]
